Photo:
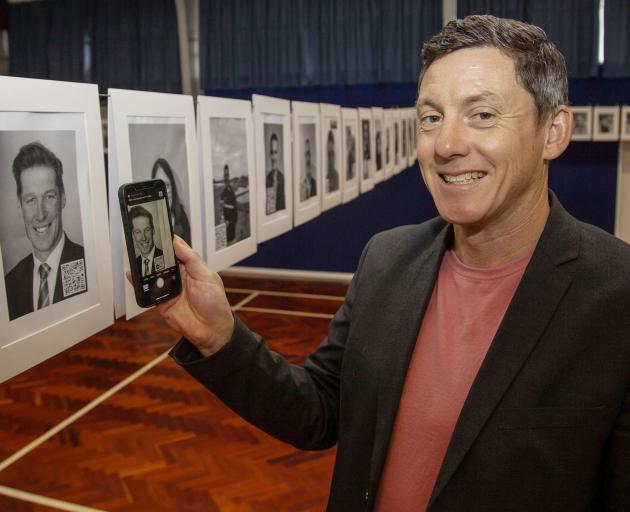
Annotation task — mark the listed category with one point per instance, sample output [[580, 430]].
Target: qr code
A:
[[73, 277], [158, 263], [220, 236]]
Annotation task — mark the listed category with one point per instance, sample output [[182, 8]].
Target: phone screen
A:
[[156, 275]]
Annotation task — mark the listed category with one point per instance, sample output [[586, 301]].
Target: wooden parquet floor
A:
[[114, 424]]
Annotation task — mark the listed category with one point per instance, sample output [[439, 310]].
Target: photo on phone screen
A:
[[149, 242]]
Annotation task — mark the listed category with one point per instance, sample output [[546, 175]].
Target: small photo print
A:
[[367, 147], [332, 141], [230, 179], [308, 162], [351, 150], [582, 123], [378, 143], [606, 123], [274, 168]]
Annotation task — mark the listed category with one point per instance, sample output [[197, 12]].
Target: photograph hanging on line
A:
[[274, 170], [606, 123], [55, 272], [350, 146], [308, 172], [331, 155], [152, 136], [226, 138]]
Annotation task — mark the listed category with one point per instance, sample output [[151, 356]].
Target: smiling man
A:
[[55, 270], [481, 360], [150, 258]]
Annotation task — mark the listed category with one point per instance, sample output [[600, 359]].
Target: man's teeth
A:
[[464, 178], [42, 229]]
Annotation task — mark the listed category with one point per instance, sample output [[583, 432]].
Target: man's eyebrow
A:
[[474, 98]]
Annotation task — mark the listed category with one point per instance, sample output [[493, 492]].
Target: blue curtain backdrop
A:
[[129, 44], [617, 39], [571, 24], [280, 43]]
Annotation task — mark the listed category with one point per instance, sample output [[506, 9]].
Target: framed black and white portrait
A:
[[625, 123], [331, 155], [55, 255], [379, 134], [152, 136], [349, 151], [274, 168], [307, 185], [225, 131], [388, 143], [366, 133], [582, 123], [606, 123]]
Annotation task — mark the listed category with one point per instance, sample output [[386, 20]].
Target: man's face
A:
[[273, 153], [40, 207], [142, 234], [480, 147], [226, 175]]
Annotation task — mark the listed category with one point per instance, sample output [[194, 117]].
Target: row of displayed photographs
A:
[[601, 123], [237, 173]]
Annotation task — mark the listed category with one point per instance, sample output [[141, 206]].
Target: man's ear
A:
[[20, 212], [63, 199], [559, 127]]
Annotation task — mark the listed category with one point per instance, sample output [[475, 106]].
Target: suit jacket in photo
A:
[[546, 424], [19, 281], [269, 180], [156, 253]]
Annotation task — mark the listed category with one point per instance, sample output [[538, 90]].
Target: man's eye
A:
[[484, 116], [430, 119]]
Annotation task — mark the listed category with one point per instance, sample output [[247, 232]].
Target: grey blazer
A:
[[546, 425]]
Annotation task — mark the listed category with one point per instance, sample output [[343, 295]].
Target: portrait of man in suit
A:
[[308, 187], [274, 180], [150, 259], [55, 269]]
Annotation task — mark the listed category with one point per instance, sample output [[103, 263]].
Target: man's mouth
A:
[[464, 178], [41, 229]]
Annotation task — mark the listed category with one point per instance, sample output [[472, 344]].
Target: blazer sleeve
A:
[[618, 461], [298, 404]]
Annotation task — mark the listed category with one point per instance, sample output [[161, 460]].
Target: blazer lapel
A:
[[413, 293], [532, 307]]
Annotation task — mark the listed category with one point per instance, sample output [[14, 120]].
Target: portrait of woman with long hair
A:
[[181, 227]]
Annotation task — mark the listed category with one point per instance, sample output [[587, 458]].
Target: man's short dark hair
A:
[[540, 67], [36, 154], [140, 211]]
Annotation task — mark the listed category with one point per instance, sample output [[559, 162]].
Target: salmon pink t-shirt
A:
[[463, 315]]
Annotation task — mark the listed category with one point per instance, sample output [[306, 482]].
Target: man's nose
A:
[[42, 212], [451, 139]]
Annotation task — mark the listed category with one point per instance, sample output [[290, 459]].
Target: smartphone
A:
[[149, 235]]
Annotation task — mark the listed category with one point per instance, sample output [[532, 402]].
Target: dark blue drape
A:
[[571, 24], [273, 43], [616, 38], [129, 44]]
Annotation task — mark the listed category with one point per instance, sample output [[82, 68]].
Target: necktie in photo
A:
[[146, 266], [44, 296]]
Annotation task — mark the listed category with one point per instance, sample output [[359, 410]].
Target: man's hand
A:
[[201, 312]]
